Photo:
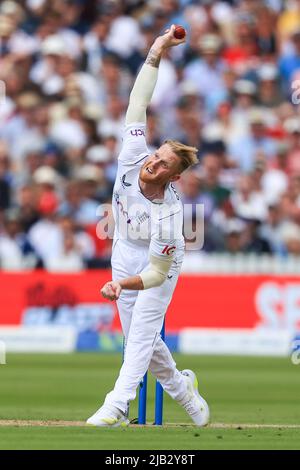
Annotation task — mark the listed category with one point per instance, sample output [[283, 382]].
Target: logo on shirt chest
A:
[[124, 183]]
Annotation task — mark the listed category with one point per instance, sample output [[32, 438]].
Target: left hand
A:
[[111, 290]]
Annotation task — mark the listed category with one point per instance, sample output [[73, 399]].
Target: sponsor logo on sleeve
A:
[[168, 250], [137, 132]]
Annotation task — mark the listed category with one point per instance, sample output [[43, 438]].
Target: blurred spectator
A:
[[212, 187], [206, 71], [94, 44], [288, 22], [271, 182], [253, 240], [244, 150], [82, 209], [269, 93], [243, 53], [233, 240], [27, 202], [271, 229], [16, 251], [75, 250], [247, 202]]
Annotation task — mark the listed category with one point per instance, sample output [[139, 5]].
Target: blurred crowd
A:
[[233, 91]]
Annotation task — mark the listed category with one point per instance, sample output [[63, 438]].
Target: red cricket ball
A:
[[179, 32]]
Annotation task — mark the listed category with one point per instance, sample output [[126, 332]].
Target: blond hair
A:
[[187, 154]]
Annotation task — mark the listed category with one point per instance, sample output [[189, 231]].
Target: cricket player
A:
[[147, 254]]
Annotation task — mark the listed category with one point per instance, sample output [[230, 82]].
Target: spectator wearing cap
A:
[[47, 181], [47, 178], [206, 71], [93, 183], [82, 85], [244, 98], [244, 150], [13, 10], [269, 93], [22, 119], [245, 93], [56, 64], [21, 132], [233, 236]]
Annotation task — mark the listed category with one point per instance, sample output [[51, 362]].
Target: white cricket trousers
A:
[[142, 315]]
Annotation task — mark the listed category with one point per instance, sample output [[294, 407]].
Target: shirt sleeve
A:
[[134, 147]]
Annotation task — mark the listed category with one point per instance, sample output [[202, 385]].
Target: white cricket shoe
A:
[[194, 404], [108, 416]]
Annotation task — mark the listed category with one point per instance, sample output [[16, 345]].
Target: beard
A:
[[153, 179]]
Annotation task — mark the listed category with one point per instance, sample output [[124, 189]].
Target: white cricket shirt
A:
[[156, 226]]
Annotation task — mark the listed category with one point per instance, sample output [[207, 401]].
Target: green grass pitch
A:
[[45, 392]]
